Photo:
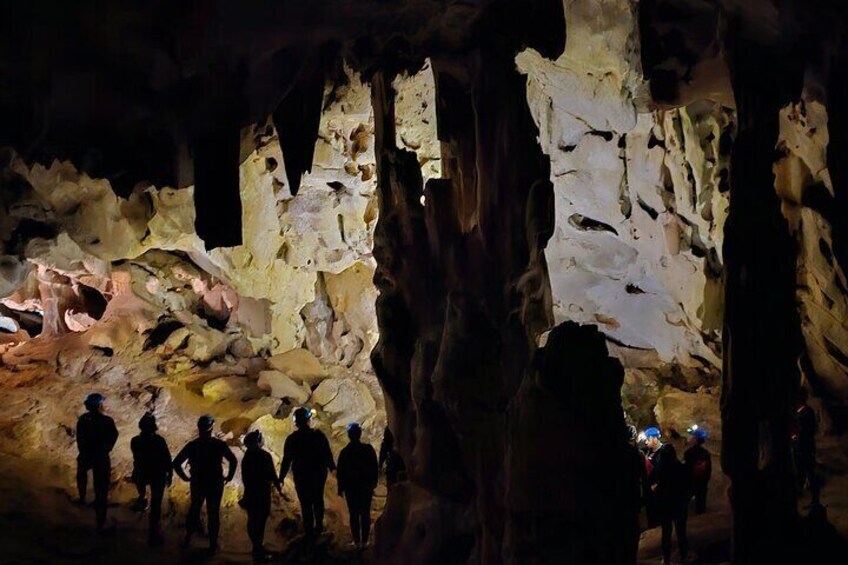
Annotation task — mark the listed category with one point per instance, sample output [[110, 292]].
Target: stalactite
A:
[[762, 338], [217, 199], [297, 118]]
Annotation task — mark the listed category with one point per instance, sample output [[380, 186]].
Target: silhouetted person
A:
[[668, 481], [391, 458], [258, 476], [205, 456], [307, 453], [637, 496], [804, 446], [357, 478], [699, 468], [151, 468], [96, 436]]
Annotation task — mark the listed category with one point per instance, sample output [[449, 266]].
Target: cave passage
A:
[[523, 281]]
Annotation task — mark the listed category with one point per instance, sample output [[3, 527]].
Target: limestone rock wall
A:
[[641, 196]]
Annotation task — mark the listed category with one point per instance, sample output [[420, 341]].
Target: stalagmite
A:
[[762, 341]]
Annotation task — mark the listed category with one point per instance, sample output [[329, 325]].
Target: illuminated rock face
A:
[[599, 207]]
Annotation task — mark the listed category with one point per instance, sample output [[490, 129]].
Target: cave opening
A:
[[502, 233]]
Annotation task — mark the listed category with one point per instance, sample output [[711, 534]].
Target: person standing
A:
[[804, 446], [390, 458], [357, 478], [96, 436], [307, 453], [699, 467], [205, 456], [151, 468], [668, 482], [258, 476]]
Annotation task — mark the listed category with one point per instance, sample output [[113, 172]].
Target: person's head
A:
[[204, 425], [94, 402], [301, 418], [147, 423], [354, 432], [698, 434], [653, 438], [253, 440]]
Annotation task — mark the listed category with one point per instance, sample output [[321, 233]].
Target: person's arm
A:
[[288, 458], [111, 434], [709, 466], [272, 473], [80, 436], [231, 460], [166, 460], [179, 461], [328, 453], [374, 470], [341, 473]]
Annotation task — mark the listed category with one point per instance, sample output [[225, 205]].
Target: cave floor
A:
[[40, 523]]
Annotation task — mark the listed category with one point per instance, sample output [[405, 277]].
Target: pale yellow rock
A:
[[348, 400], [230, 388], [677, 410], [298, 364], [281, 386]]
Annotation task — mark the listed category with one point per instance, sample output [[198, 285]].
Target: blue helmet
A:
[[653, 432], [698, 433], [94, 400], [205, 422], [354, 431]]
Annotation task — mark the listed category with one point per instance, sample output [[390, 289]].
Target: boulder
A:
[[230, 388], [281, 386], [298, 364], [676, 410], [348, 399]]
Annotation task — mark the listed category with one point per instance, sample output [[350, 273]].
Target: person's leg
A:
[[318, 504], [365, 520], [701, 497], [101, 475], [665, 523], [213, 510], [353, 512], [193, 518], [157, 491], [682, 539], [306, 509], [252, 527], [82, 479], [260, 522]]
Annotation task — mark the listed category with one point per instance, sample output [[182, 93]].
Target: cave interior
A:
[[506, 230]]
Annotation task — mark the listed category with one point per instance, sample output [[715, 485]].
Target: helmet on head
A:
[[302, 414], [148, 423], [653, 432], [354, 430], [697, 432], [94, 400], [253, 439], [205, 423]]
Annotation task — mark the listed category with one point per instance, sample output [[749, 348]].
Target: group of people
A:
[[306, 453], [668, 485]]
